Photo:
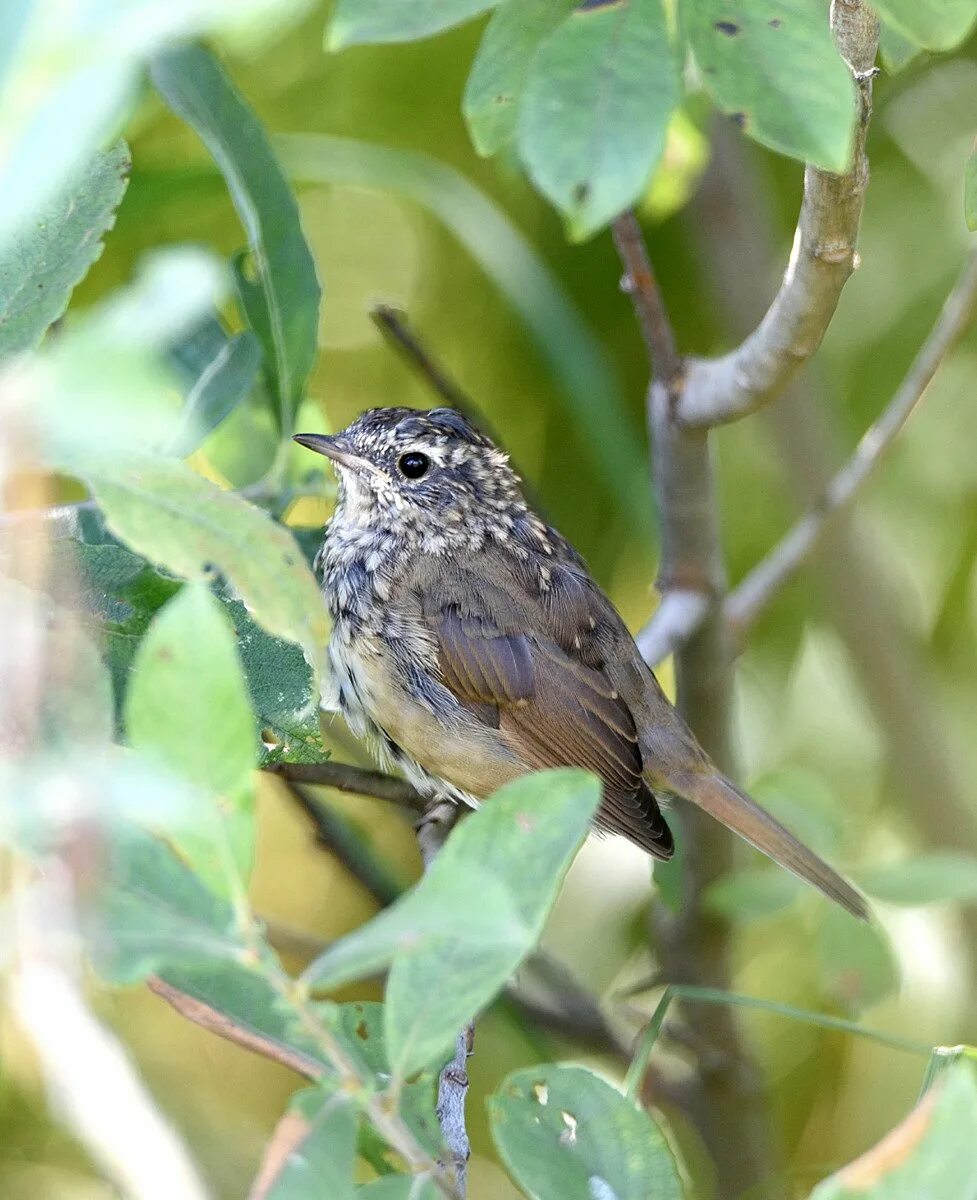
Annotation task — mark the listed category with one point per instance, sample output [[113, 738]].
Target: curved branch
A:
[[346, 778], [823, 258]]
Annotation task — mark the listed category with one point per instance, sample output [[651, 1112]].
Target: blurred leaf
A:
[[282, 302], [970, 192], [358, 21], [42, 265], [565, 1134], [499, 72], [567, 343], [187, 705], [154, 912], [321, 1163], [684, 160], [752, 895], [856, 962], [932, 24], [595, 109], [177, 519], [76, 74], [773, 65], [451, 956], [895, 50], [938, 878], [929, 1155], [398, 1187], [219, 371]]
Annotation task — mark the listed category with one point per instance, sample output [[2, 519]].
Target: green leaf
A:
[[970, 192], [938, 878], [176, 519], [752, 895], [188, 707], [322, 1163], [282, 301], [596, 108], [931, 24], [501, 66], [42, 265], [929, 1155], [450, 956], [565, 1134], [773, 65], [356, 22], [856, 962], [219, 372], [895, 50], [398, 1187], [153, 912]]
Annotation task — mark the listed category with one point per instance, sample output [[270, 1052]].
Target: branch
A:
[[641, 284], [346, 778], [748, 600], [393, 325], [676, 618], [823, 258]]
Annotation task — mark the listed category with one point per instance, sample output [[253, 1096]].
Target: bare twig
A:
[[393, 325], [676, 618], [346, 778], [641, 285], [748, 600], [822, 260]]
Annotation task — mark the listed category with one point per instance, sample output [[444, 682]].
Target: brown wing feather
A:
[[553, 711]]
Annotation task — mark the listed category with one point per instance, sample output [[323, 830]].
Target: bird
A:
[[470, 644]]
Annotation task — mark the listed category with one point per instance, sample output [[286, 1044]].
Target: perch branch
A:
[[346, 778], [823, 258], [676, 618], [393, 325], [750, 597]]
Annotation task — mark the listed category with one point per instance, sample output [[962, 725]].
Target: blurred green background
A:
[[856, 695]]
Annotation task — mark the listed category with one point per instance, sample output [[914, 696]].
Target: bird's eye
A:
[[413, 464]]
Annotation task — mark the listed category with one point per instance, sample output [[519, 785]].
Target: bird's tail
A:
[[723, 800]]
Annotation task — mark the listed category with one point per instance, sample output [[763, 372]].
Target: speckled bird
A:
[[470, 644]]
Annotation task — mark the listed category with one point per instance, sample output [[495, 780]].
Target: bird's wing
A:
[[551, 710]]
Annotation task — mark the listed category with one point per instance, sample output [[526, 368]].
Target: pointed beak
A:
[[335, 447]]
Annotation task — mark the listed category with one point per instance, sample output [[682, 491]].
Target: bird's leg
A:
[[433, 826]]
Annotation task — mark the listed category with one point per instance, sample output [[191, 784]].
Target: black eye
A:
[[413, 464]]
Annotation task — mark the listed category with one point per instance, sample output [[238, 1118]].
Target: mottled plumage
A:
[[470, 644]]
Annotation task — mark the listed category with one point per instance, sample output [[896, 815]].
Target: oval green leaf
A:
[[356, 22], [931, 24], [566, 1134]]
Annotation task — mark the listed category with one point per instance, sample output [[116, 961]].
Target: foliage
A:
[[171, 624]]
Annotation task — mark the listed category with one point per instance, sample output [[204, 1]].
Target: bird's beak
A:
[[333, 446]]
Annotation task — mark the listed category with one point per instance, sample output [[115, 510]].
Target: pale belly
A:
[[455, 754]]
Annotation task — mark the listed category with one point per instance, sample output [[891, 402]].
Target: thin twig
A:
[[822, 260], [393, 325], [748, 600], [676, 618], [346, 778], [641, 285]]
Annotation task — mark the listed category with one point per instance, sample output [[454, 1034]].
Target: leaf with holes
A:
[[596, 107], [773, 66], [282, 300], [356, 22], [450, 956], [501, 66], [41, 265], [566, 1134]]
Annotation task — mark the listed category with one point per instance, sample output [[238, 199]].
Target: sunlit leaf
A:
[[772, 65], [596, 108], [187, 706], [501, 67], [929, 1155], [565, 1134], [41, 266], [931, 24], [282, 299], [449, 956], [938, 878], [358, 21]]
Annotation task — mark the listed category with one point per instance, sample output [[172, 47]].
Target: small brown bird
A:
[[470, 644]]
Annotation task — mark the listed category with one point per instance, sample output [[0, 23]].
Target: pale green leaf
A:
[[566, 1134], [895, 49], [938, 878], [855, 960], [187, 706], [930, 1156], [501, 67], [450, 956], [358, 21], [931, 24], [41, 266], [970, 192], [398, 1187], [752, 895], [321, 1164], [218, 372], [282, 301], [595, 110], [772, 65]]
